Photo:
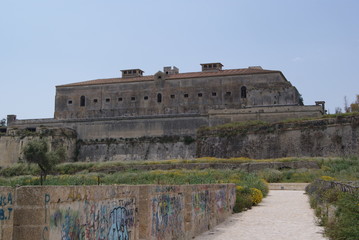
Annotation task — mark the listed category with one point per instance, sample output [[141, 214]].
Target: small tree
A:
[[354, 107], [37, 152], [3, 122]]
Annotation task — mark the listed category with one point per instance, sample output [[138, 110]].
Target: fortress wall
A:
[[145, 148], [323, 137], [13, 142], [265, 113], [115, 212]]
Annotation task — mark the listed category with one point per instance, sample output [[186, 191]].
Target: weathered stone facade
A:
[[178, 93]]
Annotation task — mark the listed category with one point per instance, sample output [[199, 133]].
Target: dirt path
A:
[[282, 215]]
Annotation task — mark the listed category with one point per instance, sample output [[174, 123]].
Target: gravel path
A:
[[281, 215]]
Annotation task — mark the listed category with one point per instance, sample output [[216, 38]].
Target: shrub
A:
[[256, 195]]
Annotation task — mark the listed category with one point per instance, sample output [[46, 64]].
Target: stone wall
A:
[[144, 148], [13, 142], [323, 137], [113, 212]]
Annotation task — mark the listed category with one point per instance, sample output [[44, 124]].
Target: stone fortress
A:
[[137, 110]]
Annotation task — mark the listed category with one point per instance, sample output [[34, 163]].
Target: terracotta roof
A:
[[228, 72]]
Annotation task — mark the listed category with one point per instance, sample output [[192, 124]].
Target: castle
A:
[[172, 103], [139, 117]]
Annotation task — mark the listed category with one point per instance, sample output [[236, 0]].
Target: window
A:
[[95, 100], [243, 92], [145, 97], [108, 100], [186, 95], [82, 101], [173, 96], [69, 102], [228, 94], [133, 98], [159, 97], [200, 94], [214, 94], [120, 99]]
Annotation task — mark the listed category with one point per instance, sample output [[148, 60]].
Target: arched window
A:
[[159, 97], [82, 101], [243, 92]]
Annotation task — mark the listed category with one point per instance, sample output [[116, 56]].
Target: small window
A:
[[133, 98], [243, 92], [186, 95], [95, 100], [159, 77], [107, 100], [214, 65], [82, 101], [228, 94], [145, 97], [120, 99], [69, 102], [214, 94], [200, 94], [159, 97], [173, 96]]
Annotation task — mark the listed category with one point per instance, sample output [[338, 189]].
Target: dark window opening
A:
[[31, 129], [214, 94], [159, 77], [200, 94], [69, 102], [186, 95], [3, 130], [145, 97], [133, 98], [120, 99], [95, 100], [167, 73], [214, 65], [159, 97], [107, 100], [82, 101], [228, 94], [243, 92], [172, 96]]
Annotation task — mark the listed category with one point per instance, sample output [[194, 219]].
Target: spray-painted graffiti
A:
[[200, 202], [100, 221], [221, 201], [167, 216], [5, 206]]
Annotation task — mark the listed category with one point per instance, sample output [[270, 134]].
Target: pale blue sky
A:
[[315, 43]]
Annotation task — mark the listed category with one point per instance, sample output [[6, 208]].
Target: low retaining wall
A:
[[113, 212]]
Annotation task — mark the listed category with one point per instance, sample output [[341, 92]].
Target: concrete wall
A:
[[323, 137], [13, 142], [113, 212]]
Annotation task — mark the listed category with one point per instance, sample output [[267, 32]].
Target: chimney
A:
[[211, 67], [130, 73], [170, 70]]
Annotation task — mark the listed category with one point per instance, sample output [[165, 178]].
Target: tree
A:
[[354, 107], [3, 122], [37, 152]]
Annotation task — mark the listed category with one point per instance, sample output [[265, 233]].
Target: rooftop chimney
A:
[[130, 73], [170, 70], [211, 67]]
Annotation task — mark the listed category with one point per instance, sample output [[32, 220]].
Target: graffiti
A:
[[100, 221], [47, 200], [5, 206], [221, 201], [167, 216], [200, 202], [119, 223]]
